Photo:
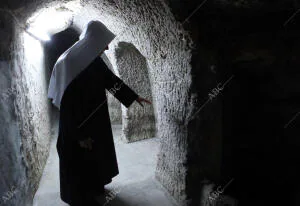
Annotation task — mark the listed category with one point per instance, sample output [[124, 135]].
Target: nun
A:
[[85, 146]]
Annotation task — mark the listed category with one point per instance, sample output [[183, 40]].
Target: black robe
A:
[[83, 114]]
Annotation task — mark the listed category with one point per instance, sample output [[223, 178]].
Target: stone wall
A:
[[26, 129], [32, 106], [138, 122]]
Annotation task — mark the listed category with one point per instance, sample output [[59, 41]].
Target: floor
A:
[[134, 186]]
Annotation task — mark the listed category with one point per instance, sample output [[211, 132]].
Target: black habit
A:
[[84, 113]]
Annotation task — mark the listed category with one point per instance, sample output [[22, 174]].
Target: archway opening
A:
[[138, 122]]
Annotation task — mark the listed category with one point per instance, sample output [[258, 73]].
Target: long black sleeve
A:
[[89, 96], [117, 87]]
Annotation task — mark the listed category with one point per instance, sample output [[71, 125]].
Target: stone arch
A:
[[138, 123]]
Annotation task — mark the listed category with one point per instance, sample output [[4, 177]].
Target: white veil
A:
[[94, 39]]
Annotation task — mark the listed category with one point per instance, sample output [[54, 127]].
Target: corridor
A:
[[134, 186]]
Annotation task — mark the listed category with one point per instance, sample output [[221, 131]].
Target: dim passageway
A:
[[223, 77], [134, 186]]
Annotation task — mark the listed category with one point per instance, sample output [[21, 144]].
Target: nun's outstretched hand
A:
[[140, 100]]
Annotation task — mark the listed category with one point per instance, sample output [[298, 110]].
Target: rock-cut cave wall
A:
[[11, 165], [138, 122], [25, 108]]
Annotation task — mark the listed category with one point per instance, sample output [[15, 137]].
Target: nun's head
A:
[[98, 34]]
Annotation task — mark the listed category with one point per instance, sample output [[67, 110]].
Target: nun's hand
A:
[[140, 100], [87, 143]]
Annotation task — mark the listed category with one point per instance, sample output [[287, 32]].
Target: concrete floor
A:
[[134, 186]]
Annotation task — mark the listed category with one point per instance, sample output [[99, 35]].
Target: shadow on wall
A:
[[59, 43]]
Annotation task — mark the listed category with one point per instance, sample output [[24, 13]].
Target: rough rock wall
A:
[[12, 169], [25, 127], [32, 106], [30, 77], [138, 122]]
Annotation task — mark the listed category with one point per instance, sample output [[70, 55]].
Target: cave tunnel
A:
[[223, 79]]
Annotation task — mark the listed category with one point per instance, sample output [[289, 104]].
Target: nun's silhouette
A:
[[85, 146]]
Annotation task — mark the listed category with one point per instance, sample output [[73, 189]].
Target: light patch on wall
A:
[[48, 21], [33, 49]]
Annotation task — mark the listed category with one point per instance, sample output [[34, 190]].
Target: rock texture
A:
[[32, 106], [138, 122]]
